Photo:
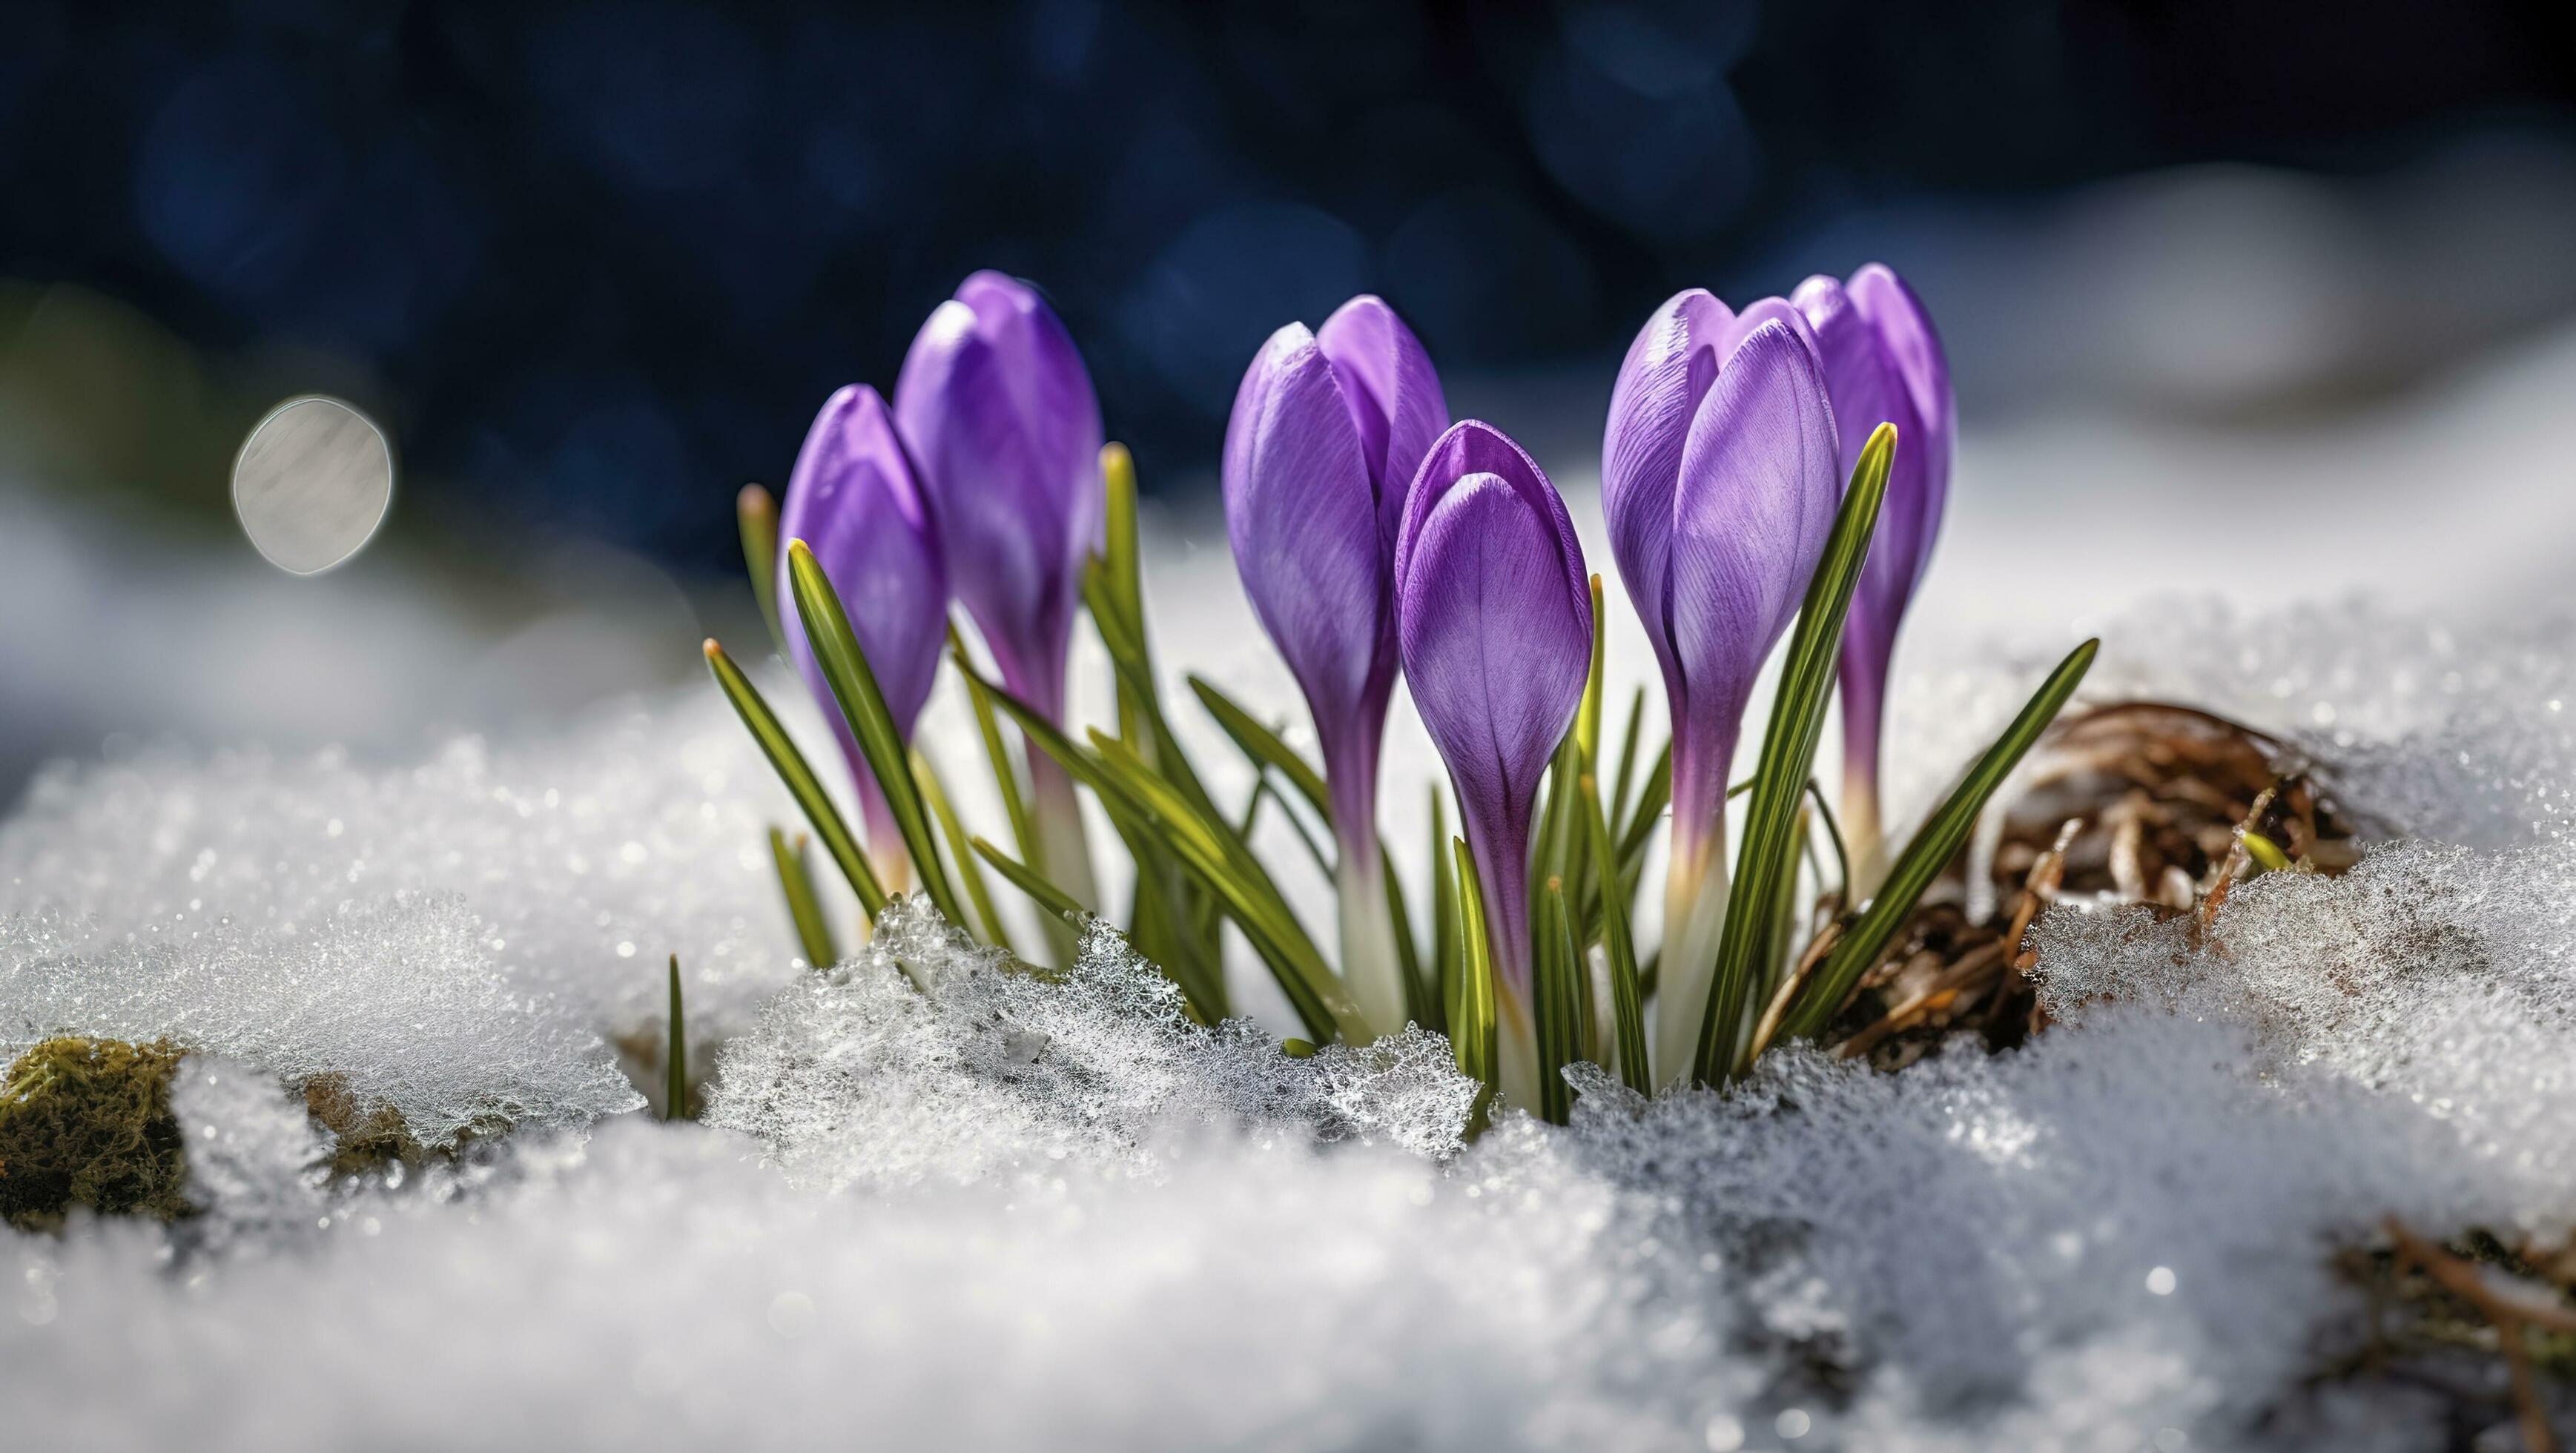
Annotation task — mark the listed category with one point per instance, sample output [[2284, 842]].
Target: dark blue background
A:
[[600, 261]]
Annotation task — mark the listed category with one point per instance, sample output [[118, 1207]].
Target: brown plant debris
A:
[[2134, 802], [2440, 1313]]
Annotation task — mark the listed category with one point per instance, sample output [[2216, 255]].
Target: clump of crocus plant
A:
[[999, 411], [1775, 470], [1329, 428], [1495, 621], [856, 501], [1718, 481], [1882, 362]]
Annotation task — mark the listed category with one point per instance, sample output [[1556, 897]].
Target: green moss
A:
[[87, 1122], [364, 1138]]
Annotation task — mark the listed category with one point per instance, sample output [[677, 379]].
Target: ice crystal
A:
[[395, 997], [589, 855], [926, 1056]]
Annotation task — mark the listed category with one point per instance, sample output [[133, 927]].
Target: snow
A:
[[1006, 1211], [925, 1057], [395, 997]]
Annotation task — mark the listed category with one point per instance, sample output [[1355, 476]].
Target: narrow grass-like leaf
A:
[[1047, 895], [813, 933], [1557, 849], [854, 686], [1214, 857], [802, 784], [1475, 1034], [1652, 799], [675, 1083], [1833, 834], [1619, 951], [1445, 945], [1228, 869], [934, 794], [1932, 847], [1627, 761], [1006, 772], [1263, 747], [757, 515], [1121, 587], [1587, 714], [1420, 998], [1746, 940], [1556, 989]]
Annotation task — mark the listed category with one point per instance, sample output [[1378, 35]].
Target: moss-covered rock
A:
[[364, 1137], [87, 1122]]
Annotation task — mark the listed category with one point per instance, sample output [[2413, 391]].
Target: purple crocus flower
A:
[[998, 410], [1494, 621], [855, 499], [1884, 364], [1718, 481], [1328, 430]]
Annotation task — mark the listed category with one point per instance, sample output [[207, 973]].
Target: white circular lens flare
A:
[[312, 483]]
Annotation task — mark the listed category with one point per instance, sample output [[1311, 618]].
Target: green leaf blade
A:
[[1930, 849], [1746, 942], [798, 774], [804, 909], [854, 686]]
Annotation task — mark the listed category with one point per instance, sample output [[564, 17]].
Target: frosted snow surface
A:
[[1007, 1212], [860, 1076], [395, 997]]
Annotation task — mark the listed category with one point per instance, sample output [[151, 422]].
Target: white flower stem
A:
[[1863, 838], [1515, 1049], [1064, 853], [1370, 964], [1695, 892]]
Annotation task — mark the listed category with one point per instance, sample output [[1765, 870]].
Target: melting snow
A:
[[1011, 1212]]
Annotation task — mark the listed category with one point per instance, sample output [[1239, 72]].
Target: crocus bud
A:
[[1327, 433], [1718, 481], [997, 408], [999, 413], [856, 501], [1884, 365], [1494, 622]]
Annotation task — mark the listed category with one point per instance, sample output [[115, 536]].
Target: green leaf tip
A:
[[675, 1084], [1766, 873], [2267, 854], [1931, 848], [798, 774], [854, 688], [757, 516], [804, 910]]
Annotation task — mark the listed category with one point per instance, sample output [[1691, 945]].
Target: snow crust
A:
[[587, 857], [394, 997], [925, 1056], [1009, 1212]]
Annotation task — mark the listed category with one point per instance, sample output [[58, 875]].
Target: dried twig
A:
[[2512, 1308]]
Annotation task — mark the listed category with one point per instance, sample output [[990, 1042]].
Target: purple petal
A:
[[1759, 482], [1910, 344], [1300, 512], [1001, 417], [1394, 396], [1668, 370], [1884, 364], [855, 500], [1495, 622]]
